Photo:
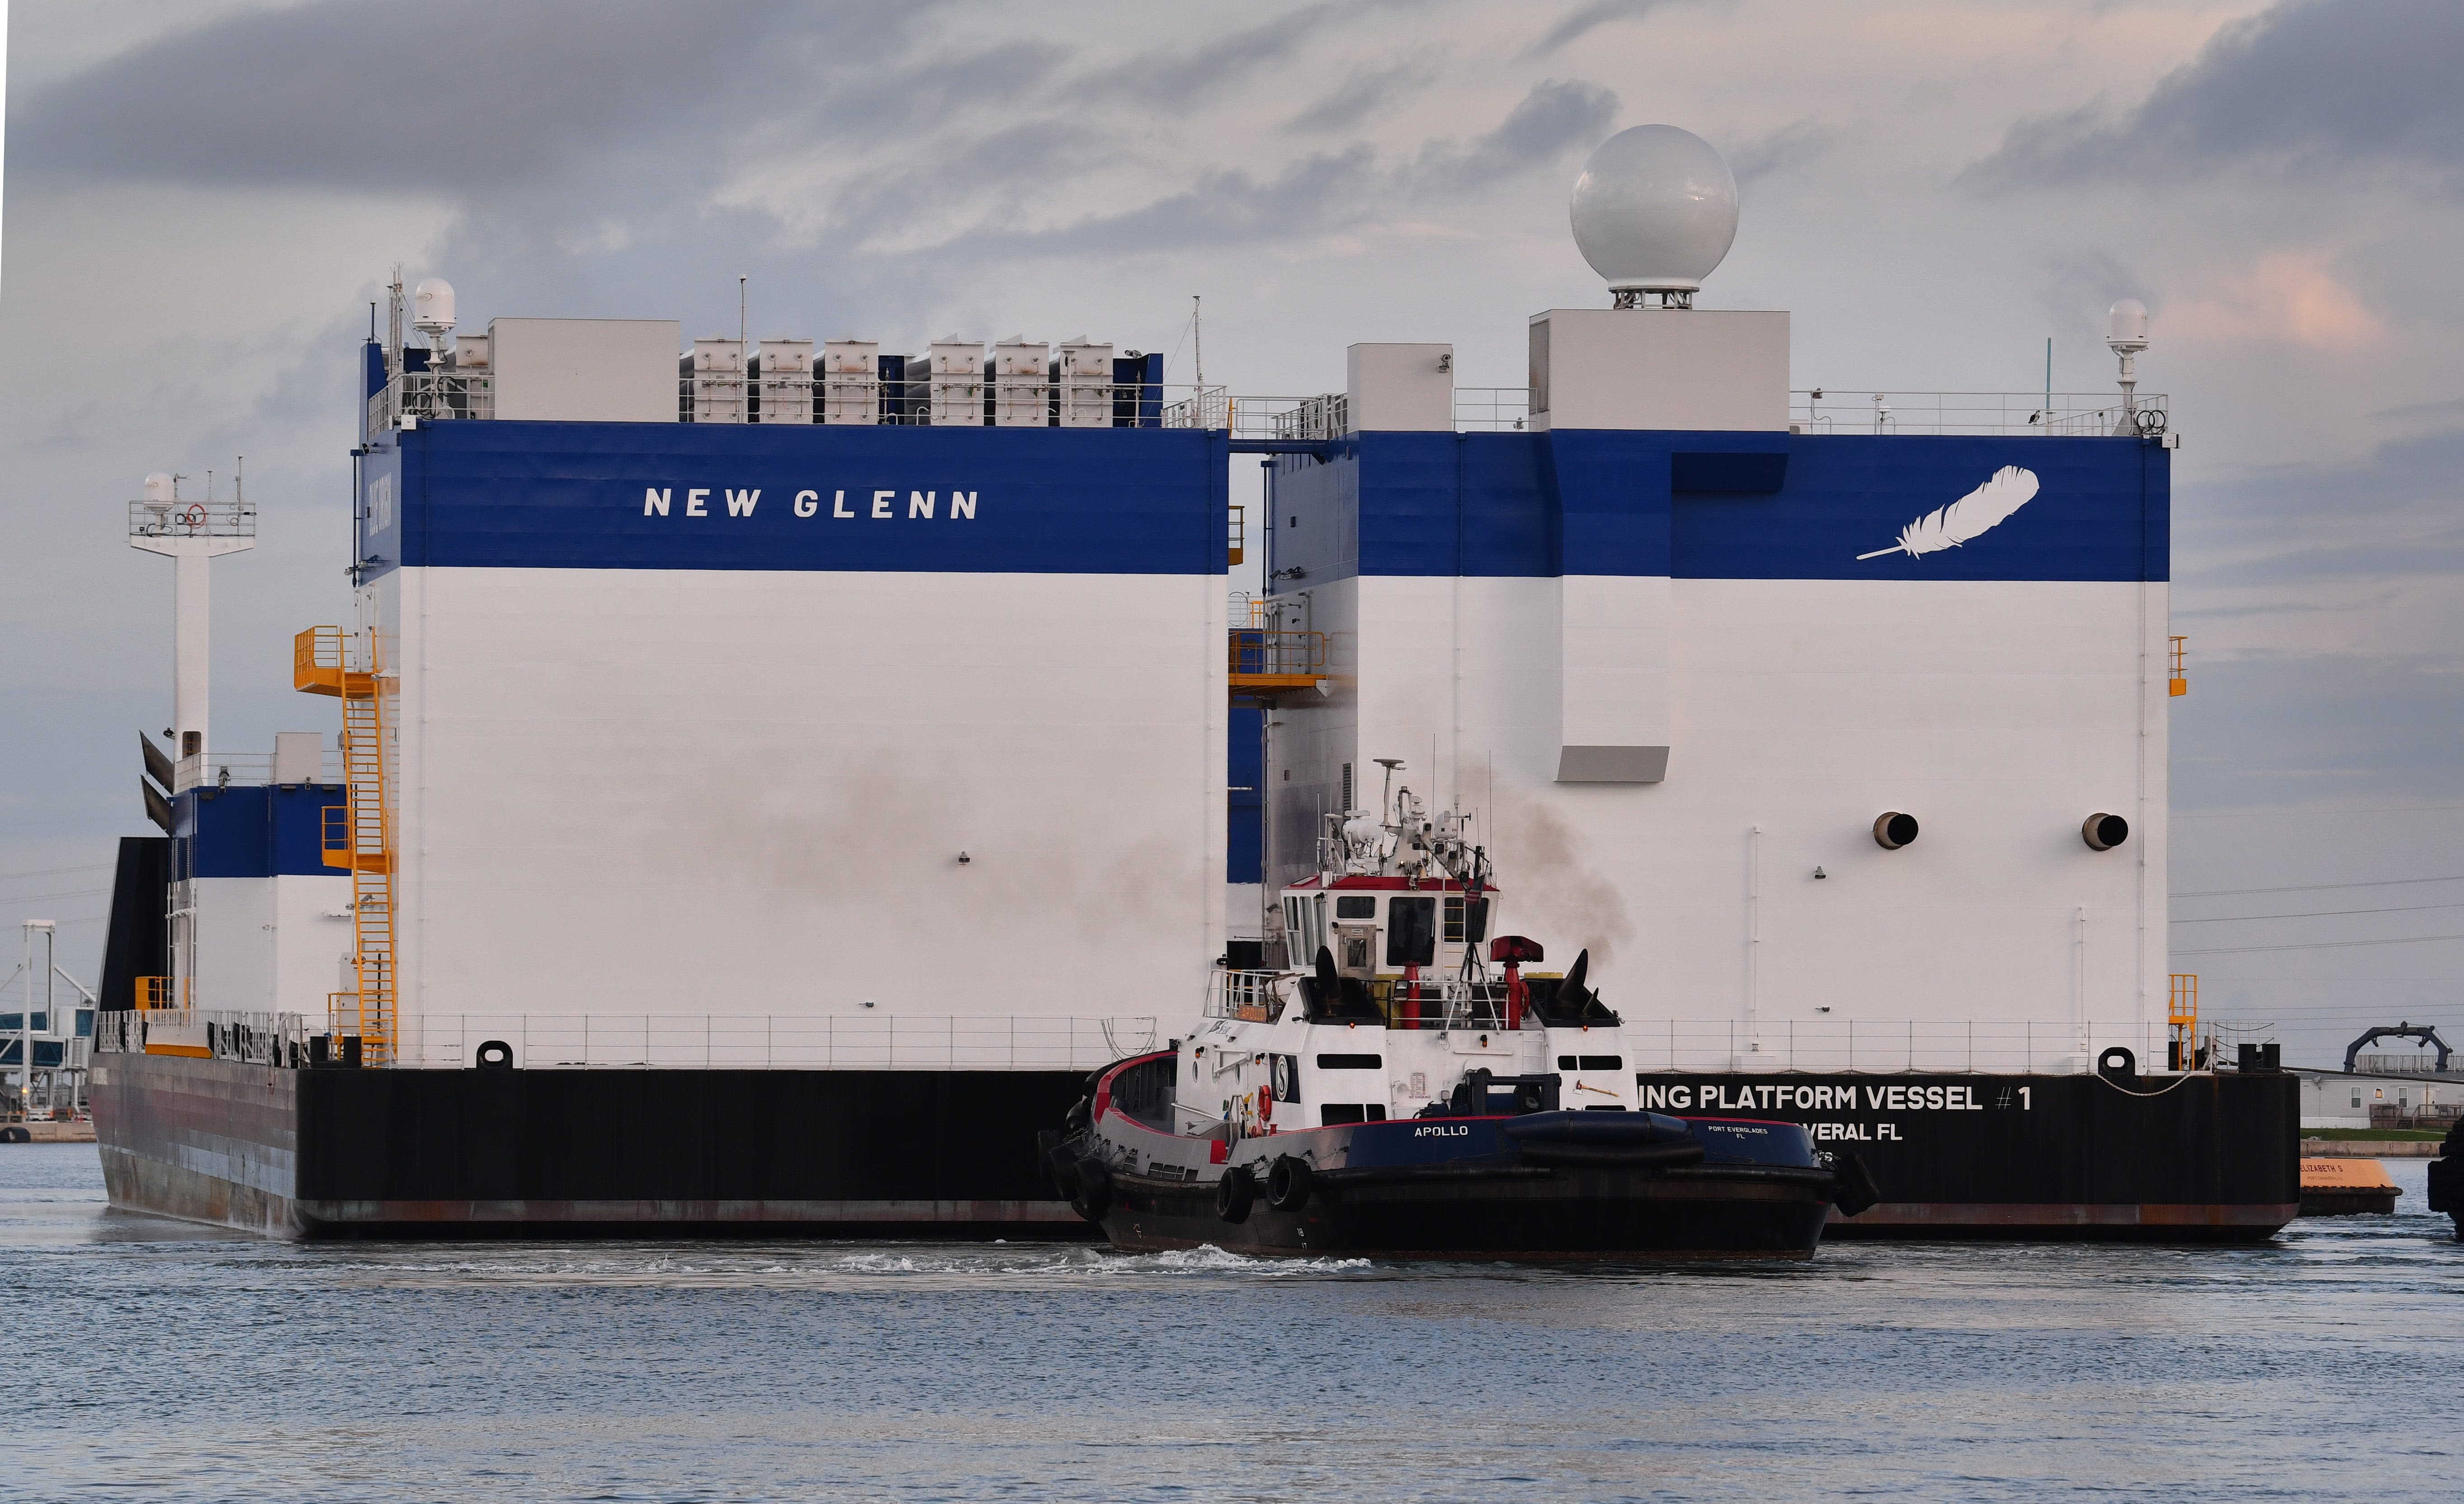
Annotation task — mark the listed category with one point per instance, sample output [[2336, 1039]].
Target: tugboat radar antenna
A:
[[1653, 212], [1386, 794]]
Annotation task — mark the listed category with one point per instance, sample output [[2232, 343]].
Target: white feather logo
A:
[[1985, 507]]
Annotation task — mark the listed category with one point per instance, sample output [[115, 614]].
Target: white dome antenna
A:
[[2125, 333], [432, 309], [1655, 213]]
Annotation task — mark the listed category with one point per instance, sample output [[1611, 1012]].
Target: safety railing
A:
[[191, 519], [253, 770], [1256, 996], [256, 1038], [434, 396], [1492, 410], [831, 1042], [1825, 410], [1885, 1045], [1256, 651]]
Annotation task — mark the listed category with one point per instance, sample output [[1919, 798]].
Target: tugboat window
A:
[[1412, 931], [1456, 933], [1355, 908]]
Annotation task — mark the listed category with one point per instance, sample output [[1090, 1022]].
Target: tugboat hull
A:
[[1516, 1212]]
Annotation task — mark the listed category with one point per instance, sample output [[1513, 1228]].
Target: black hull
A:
[[576, 1154], [2170, 1159], [1519, 1212], [459, 1154]]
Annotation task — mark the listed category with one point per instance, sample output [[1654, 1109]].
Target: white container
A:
[[783, 376], [850, 381], [957, 382], [1084, 374], [714, 374], [1021, 376]]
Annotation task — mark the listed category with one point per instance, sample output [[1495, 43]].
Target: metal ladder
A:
[[359, 836]]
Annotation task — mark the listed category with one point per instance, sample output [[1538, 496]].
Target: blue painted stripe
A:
[[1773, 507], [567, 495]]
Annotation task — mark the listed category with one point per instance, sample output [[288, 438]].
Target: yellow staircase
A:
[[359, 836]]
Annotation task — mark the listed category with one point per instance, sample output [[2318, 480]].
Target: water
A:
[[167, 1362]]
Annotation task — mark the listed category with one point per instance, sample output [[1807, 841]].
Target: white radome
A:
[[2126, 325], [431, 306], [158, 488], [1654, 210]]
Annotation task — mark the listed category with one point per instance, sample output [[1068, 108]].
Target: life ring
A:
[[194, 517]]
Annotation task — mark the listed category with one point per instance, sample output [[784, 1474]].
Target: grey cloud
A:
[[1791, 145], [1319, 192], [1581, 22], [2308, 86], [1555, 118], [2274, 730], [2399, 509], [1366, 91], [331, 94], [1172, 76]]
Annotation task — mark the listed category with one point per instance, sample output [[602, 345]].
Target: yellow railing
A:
[[2179, 683], [2181, 1018], [1240, 535], [1262, 654], [161, 992]]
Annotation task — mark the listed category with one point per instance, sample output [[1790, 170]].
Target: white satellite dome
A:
[[1655, 211], [158, 488], [431, 306], [2125, 324]]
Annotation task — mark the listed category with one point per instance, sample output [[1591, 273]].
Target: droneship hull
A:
[[595, 1153], [2206, 1158]]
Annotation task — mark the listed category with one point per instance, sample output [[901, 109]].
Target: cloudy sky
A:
[[202, 197]]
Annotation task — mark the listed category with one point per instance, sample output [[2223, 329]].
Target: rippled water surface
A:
[[167, 1361]]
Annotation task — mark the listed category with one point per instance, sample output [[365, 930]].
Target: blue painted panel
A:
[[1245, 772], [255, 830], [1146, 501], [2100, 512], [1756, 507]]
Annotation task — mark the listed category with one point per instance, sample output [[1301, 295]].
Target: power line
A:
[[2316, 913], [2312, 887], [2371, 809], [2319, 945], [53, 872]]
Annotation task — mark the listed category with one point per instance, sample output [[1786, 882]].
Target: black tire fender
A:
[[1289, 1184], [1855, 1190], [1234, 1194], [1094, 1196]]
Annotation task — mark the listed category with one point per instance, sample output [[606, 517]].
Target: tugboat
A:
[[1411, 1089]]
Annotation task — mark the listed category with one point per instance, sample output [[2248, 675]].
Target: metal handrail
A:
[[191, 519], [1270, 650], [1835, 411]]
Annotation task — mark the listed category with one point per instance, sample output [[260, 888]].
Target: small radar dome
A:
[[431, 306], [2126, 327], [1655, 211], [158, 490]]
